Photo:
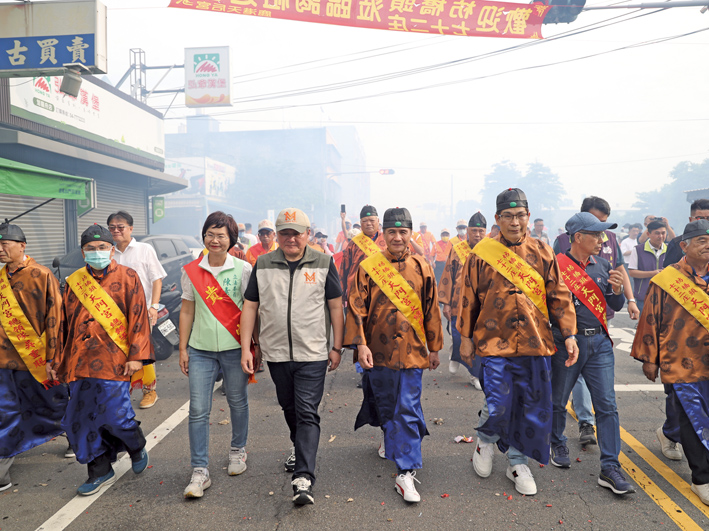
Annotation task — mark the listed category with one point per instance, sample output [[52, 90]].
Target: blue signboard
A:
[[53, 51]]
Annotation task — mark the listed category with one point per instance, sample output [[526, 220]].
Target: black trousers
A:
[[133, 444], [697, 454], [299, 388]]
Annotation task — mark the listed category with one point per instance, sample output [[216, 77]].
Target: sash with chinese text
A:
[[219, 303], [584, 288], [107, 313], [516, 270], [364, 242], [463, 250], [397, 289], [685, 292], [31, 347]]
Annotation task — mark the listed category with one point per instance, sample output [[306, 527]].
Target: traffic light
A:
[[562, 11], [387, 171]]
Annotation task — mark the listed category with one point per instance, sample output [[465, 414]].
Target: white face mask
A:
[[461, 232]]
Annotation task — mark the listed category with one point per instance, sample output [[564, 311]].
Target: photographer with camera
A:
[[646, 234]]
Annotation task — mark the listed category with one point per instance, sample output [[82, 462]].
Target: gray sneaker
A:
[[587, 434], [198, 484], [237, 461], [290, 461]]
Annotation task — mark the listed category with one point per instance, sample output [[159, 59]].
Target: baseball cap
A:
[[445, 231], [694, 229], [265, 224], [587, 222], [461, 224], [292, 218], [241, 226]]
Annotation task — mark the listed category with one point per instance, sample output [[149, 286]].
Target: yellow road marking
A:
[[666, 472], [655, 493]]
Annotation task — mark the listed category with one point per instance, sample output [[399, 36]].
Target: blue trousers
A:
[[474, 370], [204, 367], [581, 399], [596, 363]]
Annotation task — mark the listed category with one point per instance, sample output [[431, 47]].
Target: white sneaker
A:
[[199, 482], [476, 383], [453, 366], [382, 448], [482, 458], [237, 461], [405, 486], [670, 449], [523, 479], [702, 491]]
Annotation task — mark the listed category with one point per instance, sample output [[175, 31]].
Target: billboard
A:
[[96, 114], [207, 176], [40, 38], [470, 18], [207, 77]]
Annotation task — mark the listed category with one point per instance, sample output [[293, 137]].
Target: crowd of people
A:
[[528, 319]]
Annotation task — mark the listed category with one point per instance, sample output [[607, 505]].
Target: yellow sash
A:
[[107, 313], [29, 345], [516, 270], [366, 243], [398, 290], [463, 250], [685, 292]]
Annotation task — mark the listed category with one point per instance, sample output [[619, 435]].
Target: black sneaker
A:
[[290, 461], [586, 434], [559, 456], [612, 478], [302, 491]]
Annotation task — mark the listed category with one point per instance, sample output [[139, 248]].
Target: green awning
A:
[[23, 179]]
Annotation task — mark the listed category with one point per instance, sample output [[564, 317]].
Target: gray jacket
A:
[[293, 311]]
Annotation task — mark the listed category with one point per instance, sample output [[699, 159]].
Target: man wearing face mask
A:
[[461, 232], [104, 341], [32, 405], [449, 291]]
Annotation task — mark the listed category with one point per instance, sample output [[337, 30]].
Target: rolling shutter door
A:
[[44, 227], [111, 197]]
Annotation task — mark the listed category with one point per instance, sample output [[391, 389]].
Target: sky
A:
[[611, 125]]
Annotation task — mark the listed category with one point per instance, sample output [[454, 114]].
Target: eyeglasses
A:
[[701, 217], [218, 237], [519, 217], [114, 228]]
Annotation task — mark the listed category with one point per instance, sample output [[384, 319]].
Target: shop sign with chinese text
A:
[[207, 73], [40, 38], [472, 18]]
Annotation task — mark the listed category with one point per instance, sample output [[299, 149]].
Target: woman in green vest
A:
[[212, 298]]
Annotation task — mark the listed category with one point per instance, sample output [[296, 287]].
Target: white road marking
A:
[[657, 388], [78, 505]]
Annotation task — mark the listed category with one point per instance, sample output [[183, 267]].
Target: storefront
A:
[[111, 144]]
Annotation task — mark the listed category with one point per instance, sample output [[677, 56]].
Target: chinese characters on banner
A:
[[23, 53], [472, 18], [585, 290]]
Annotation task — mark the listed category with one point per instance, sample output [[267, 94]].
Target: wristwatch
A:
[[155, 306], [340, 350]]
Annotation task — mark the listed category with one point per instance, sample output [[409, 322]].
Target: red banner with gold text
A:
[[471, 18]]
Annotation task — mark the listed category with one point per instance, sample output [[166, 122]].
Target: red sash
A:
[[584, 287], [222, 306]]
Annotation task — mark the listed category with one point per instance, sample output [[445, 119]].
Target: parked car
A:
[[173, 253]]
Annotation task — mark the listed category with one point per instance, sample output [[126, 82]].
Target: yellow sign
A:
[[366, 243], [516, 270], [463, 250], [106, 313], [29, 345], [398, 290], [685, 292]]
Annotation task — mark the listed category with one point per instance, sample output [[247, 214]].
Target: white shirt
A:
[[188, 292], [633, 260], [253, 240], [627, 245], [143, 258]]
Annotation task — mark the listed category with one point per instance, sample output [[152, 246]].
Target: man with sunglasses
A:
[[144, 260], [512, 291], [594, 285]]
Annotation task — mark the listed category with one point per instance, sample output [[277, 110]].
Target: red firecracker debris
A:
[[150, 466], [548, 504], [541, 465], [445, 495], [509, 497], [578, 459]]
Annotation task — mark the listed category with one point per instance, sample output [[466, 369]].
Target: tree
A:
[[543, 188], [670, 201], [503, 175]]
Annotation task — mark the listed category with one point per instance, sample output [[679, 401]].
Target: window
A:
[[181, 247], [164, 248]]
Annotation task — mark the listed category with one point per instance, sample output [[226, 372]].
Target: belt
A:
[[591, 331]]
